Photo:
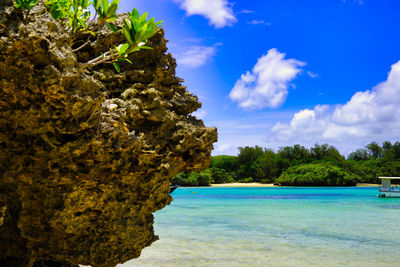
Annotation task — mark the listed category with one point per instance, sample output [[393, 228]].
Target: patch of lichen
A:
[[87, 155]]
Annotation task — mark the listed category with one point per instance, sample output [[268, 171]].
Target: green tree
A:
[[374, 150], [266, 167], [248, 154], [396, 150], [317, 174], [318, 152], [227, 163], [221, 176], [205, 177], [388, 154], [180, 179], [359, 154], [326, 152], [295, 154], [245, 161], [297, 165]]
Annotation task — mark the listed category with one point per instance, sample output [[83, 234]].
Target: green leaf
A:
[[111, 19], [132, 33], [25, 4], [149, 33], [81, 22], [143, 17], [127, 24], [139, 36], [91, 33], [151, 22], [123, 49], [105, 5], [96, 4], [115, 2], [127, 36], [145, 47], [127, 60], [100, 12], [117, 68], [112, 28], [112, 10], [135, 13], [136, 25], [75, 5]]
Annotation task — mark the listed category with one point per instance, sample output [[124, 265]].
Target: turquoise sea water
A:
[[341, 226]]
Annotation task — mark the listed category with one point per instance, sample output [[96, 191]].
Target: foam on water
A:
[[276, 227]]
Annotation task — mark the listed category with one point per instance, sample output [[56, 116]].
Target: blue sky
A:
[[281, 72]]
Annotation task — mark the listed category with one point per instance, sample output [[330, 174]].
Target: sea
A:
[[276, 226]]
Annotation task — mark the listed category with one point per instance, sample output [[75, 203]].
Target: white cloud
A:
[[372, 115], [361, 2], [267, 84], [258, 22], [246, 11], [224, 149], [250, 130], [199, 114], [196, 56], [218, 12], [312, 74]]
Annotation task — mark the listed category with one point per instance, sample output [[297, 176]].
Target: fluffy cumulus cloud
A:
[[196, 56], [267, 84], [369, 115], [218, 12]]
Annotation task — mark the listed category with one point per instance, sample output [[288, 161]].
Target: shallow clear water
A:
[[276, 227]]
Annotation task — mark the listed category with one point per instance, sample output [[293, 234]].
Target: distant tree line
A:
[[321, 165]]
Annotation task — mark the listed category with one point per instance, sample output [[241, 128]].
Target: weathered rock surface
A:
[[87, 154]]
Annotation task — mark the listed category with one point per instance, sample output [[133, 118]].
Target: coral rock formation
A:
[[87, 154]]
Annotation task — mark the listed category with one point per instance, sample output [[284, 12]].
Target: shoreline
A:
[[367, 185], [272, 185]]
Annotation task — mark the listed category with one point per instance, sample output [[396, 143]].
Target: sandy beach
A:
[[243, 185], [366, 185]]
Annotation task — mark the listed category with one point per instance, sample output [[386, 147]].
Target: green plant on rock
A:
[[136, 30], [80, 15], [25, 4], [76, 14], [59, 9], [106, 11]]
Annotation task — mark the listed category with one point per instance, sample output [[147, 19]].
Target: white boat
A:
[[387, 189]]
